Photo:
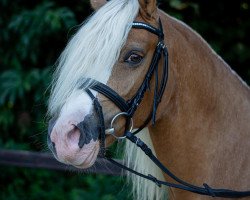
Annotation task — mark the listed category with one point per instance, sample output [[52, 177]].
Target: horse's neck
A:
[[204, 135]]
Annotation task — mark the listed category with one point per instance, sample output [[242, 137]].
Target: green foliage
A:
[[43, 19], [39, 184], [32, 35], [17, 83]]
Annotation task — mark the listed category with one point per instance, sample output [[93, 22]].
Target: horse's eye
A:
[[133, 58]]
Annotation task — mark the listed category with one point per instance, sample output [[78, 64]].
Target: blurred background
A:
[[32, 35]]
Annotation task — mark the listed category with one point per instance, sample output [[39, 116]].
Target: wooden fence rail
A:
[[47, 161]]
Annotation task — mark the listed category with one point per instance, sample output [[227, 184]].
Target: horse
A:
[[200, 128]]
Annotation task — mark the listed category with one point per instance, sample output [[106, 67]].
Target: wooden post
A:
[[47, 161]]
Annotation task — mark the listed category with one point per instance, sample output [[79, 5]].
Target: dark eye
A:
[[133, 58]]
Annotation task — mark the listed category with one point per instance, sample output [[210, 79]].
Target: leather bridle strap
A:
[[153, 69], [112, 95], [158, 94], [131, 105], [205, 190], [151, 29]]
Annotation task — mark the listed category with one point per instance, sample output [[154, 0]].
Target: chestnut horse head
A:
[[109, 49], [103, 50]]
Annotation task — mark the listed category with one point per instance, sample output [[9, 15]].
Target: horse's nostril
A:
[[81, 139], [74, 135], [82, 128]]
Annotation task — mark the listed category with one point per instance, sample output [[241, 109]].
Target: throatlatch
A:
[[128, 109]]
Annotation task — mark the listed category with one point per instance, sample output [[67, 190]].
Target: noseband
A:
[[128, 109]]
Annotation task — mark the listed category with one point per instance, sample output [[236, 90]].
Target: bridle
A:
[[128, 109]]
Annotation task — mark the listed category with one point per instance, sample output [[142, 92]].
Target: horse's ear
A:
[[148, 9], [96, 4]]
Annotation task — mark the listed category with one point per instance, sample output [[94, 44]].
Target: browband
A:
[[148, 27]]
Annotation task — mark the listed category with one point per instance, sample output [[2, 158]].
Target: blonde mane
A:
[[92, 53], [136, 159], [93, 50]]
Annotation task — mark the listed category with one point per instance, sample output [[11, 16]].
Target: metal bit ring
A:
[[111, 130]]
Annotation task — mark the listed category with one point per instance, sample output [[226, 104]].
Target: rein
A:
[[128, 109]]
